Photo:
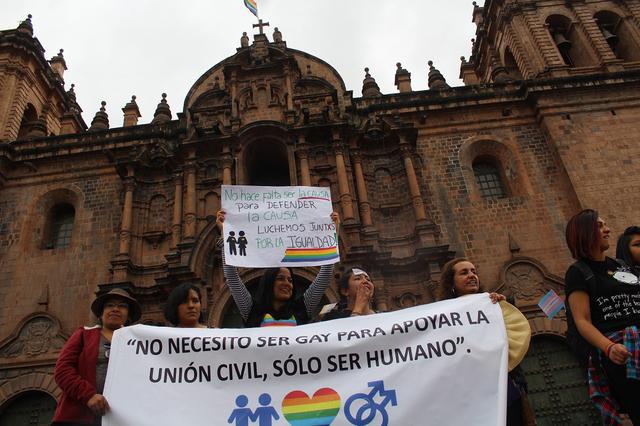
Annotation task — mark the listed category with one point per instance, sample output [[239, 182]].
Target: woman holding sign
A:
[[276, 302], [459, 278], [604, 297]]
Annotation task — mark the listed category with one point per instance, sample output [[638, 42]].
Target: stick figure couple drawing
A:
[[241, 241], [264, 414]]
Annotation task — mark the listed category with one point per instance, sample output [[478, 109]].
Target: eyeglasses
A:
[[113, 305]]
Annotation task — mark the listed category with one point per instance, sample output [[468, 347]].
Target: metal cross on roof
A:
[[260, 25]]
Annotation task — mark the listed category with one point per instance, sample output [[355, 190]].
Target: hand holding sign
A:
[[278, 226]]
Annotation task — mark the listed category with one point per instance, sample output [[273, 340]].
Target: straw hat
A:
[[134, 307], [518, 333]]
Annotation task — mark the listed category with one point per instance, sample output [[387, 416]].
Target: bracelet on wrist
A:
[[608, 351]]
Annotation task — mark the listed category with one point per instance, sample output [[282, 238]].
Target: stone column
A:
[[127, 213], [289, 86], [9, 92], [234, 101], [176, 225], [303, 155], [343, 182], [227, 163], [191, 201], [363, 198], [414, 188], [380, 294]]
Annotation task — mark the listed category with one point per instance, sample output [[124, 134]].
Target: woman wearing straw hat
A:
[[82, 365]]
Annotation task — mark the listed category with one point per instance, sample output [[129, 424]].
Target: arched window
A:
[[617, 35], [511, 65], [60, 226], [488, 178], [29, 117], [267, 164], [570, 43]]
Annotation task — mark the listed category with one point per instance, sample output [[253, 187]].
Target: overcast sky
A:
[[118, 48]]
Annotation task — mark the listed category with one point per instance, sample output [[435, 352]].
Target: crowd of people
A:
[[602, 295]]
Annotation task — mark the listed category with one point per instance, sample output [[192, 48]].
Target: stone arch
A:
[[619, 34], [510, 63], [543, 326], [37, 381], [570, 41], [38, 220], [513, 173], [29, 117], [265, 157]]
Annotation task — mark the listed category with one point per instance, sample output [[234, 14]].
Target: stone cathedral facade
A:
[[545, 124]]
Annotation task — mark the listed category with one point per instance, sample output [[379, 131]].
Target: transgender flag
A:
[[551, 304], [252, 5]]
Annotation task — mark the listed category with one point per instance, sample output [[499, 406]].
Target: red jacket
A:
[[75, 374]]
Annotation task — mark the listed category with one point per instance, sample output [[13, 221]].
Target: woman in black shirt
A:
[[606, 311]]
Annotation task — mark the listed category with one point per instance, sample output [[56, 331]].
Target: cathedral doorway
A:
[[557, 386], [31, 408], [267, 163]]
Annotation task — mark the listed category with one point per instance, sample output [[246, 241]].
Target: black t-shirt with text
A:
[[615, 305]]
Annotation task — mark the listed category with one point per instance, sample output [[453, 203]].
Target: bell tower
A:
[[523, 40], [33, 101]]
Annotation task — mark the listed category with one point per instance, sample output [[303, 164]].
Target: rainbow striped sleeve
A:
[[252, 5]]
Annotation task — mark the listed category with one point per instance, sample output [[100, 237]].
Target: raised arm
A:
[[239, 291], [314, 293]]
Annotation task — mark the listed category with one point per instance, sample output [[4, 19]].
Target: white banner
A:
[[268, 226], [439, 364]]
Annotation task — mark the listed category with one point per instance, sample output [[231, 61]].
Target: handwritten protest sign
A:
[[278, 226], [443, 364]]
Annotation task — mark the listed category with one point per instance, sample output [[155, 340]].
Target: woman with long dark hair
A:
[[184, 307], [605, 305], [628, 248], [277, 301], [356, 294]]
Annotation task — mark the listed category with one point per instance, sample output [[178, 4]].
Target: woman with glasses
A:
[[277, 301], [605, 305], [82, 365]]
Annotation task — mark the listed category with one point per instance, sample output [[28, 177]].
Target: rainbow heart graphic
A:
[[319, 410]]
